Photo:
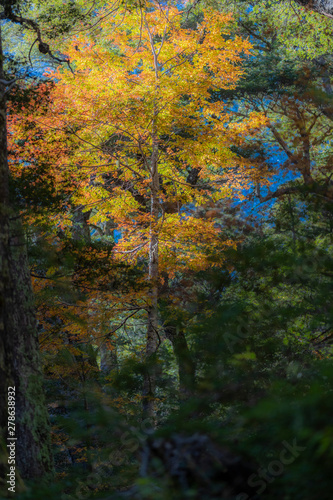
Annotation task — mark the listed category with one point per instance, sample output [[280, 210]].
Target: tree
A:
[[288, 80], [20, 365], [154, 143], [244, 303]]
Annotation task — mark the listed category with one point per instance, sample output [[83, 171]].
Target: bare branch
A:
[[43, 47]]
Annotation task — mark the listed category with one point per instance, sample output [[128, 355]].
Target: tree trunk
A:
[[19, 354], [81, 229], [109, 360], [186, 365], [149, 386]]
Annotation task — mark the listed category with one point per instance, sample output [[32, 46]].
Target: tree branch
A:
[[323, 7], [43, 47]]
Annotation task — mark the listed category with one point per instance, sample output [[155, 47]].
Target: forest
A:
[[166, 249]]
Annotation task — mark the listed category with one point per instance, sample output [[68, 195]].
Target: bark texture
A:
[[186, 365], [19, 353]]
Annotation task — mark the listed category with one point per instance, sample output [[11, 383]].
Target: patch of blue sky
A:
[[187, 210], [275, 158], [117, 235], [93, 232], [37, 70]]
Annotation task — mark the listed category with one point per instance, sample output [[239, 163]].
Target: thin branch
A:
[[29, 56], [43, 47], [279, 192]]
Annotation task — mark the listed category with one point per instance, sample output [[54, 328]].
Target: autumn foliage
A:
[[134, 128], [148, 85]]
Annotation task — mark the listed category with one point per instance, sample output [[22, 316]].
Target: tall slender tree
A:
[[19, 358], [146, 115]]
